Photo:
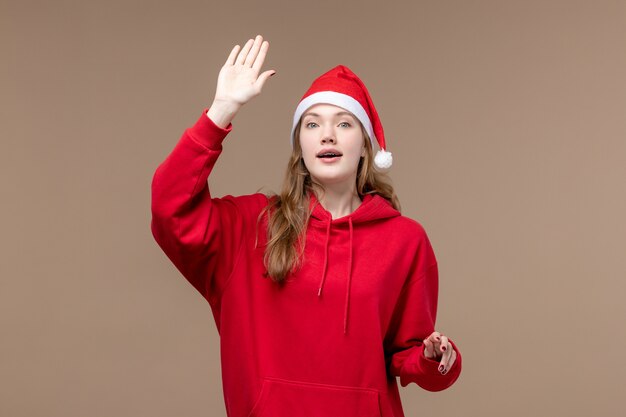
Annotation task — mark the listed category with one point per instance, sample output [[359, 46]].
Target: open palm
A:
[[239, 79]]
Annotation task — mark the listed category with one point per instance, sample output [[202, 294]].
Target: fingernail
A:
[[444, 372], [272, 74], [440, 368], [443, 348]]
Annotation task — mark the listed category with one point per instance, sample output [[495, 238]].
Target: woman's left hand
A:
[[437, 346]]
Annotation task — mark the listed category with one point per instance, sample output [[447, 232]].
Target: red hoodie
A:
[[330, 342]]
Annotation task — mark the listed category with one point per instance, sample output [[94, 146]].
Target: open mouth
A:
[[329, 155]]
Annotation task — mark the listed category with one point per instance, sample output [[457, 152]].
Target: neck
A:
[[339, 200]]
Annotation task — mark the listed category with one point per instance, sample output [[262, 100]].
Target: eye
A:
[[345, 123], [310, 123]]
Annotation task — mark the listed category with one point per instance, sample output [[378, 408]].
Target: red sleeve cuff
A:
[[425, 373], [207, 133]]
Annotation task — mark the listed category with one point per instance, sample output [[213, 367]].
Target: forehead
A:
[[328, 110]]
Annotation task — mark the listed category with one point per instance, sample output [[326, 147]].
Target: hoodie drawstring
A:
[[325, 267], [319, 292], [345, 318]]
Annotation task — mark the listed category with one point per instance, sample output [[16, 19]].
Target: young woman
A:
[[324, 294]]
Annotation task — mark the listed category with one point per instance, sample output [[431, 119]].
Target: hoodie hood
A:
[[373, 208]]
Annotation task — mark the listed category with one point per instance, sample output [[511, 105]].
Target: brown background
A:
[[507, 121]]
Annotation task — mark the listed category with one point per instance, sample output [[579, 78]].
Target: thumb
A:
[[260, 82]]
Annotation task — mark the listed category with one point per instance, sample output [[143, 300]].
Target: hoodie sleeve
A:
[[201, 235], [413, 321]]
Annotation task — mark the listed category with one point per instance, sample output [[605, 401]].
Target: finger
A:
[[254, 51], [260, 82], [450, 361], [434, 336], [233, 54], [441, 350], [443, 363], [445, 359], [444, 343], [436, 345], [432, 351], [430, 343], [258, 63], [428, 349], [244, 52]]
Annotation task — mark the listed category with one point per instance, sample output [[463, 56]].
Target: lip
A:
[[326, 150], [329, 160]]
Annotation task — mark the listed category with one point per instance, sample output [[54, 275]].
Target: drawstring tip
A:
[[319, 292]]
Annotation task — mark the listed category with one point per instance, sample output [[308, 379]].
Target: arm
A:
[[198, 233], [413, 321]]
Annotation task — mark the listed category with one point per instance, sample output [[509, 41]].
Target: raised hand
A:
[[239, 79], [437, 346]]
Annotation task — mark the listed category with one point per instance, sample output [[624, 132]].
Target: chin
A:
[[331, 175], [330, 179]]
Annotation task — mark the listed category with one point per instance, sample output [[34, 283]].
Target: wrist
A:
[[222, 112], [226, 106]]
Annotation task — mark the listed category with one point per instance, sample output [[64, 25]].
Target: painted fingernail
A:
[[440, 368], [444, 372], [443, 348]]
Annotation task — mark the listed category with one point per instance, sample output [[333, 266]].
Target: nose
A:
[[328, 136]]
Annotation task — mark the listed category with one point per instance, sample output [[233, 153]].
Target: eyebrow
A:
[[341, 113]]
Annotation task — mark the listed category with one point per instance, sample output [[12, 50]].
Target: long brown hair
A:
[[289, 212]]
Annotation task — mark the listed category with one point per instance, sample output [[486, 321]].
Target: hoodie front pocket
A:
[[285, 398]]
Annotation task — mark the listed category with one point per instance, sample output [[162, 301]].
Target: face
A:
[[327, 129]]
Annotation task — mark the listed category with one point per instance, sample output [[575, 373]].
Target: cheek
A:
[[356, 145], [307, 145], [306, 151]]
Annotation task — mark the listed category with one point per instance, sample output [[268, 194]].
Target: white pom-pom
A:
[[383, 159]]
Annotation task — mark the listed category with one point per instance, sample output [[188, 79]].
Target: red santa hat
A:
[[341, 87]]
